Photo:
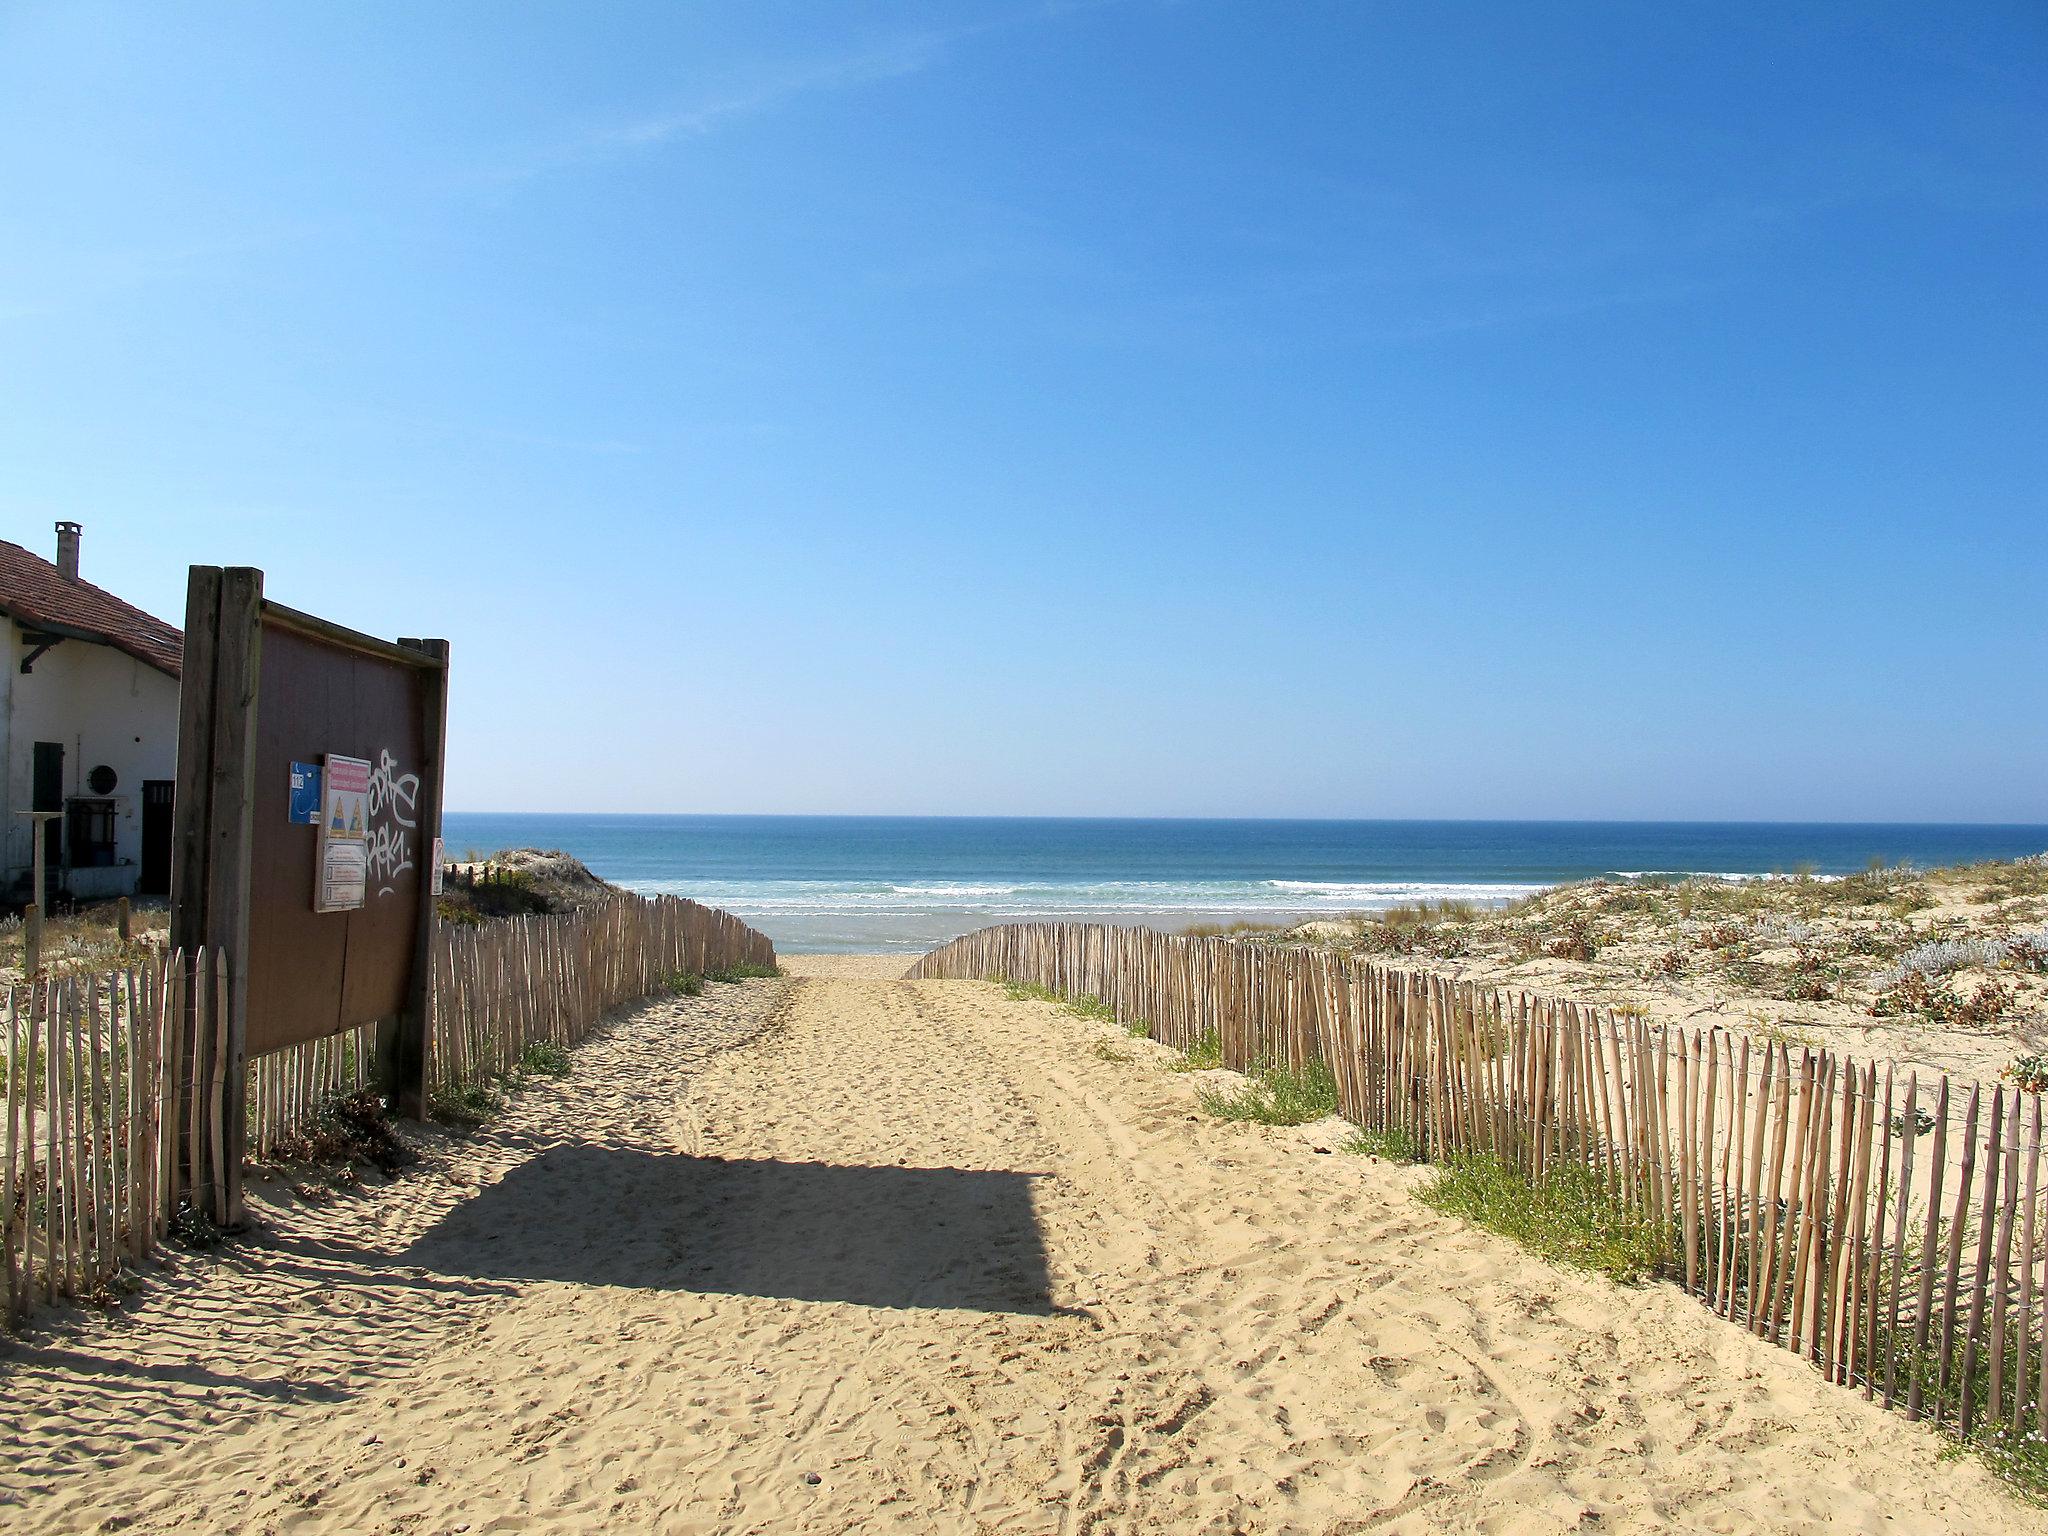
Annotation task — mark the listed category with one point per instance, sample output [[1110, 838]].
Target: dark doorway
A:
[[46, 793], [156, 838]]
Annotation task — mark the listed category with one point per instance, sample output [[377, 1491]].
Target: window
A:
[[92, 833]]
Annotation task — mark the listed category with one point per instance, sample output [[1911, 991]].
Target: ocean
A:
[[847, 884]]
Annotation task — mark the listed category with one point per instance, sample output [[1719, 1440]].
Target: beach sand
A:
[[843, 1252]]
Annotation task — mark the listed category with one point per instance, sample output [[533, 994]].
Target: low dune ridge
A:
[[1942, 970]]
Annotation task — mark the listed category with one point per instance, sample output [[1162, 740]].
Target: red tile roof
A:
[[35, 594]]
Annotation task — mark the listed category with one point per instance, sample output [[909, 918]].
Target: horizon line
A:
[[1581, 821]]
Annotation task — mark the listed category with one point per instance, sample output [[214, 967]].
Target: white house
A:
[[88, 727]]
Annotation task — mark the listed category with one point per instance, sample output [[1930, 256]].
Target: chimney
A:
[[67, 550]]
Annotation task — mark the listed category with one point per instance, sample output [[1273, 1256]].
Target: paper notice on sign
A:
[[343, 874]]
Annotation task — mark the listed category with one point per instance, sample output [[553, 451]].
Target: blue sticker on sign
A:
[[306, 794]]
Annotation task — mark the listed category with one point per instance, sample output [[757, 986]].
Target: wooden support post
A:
[[32, 936], [124, 919], [402, 1048], [213, 840], [191, 798]]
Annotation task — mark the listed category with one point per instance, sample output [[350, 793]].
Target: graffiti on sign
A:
[[394, 822]]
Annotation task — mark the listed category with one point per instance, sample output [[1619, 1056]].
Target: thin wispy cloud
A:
[[894, 59]]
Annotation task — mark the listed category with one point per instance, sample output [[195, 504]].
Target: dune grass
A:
[[1205, 1055], [744, 972], [1082, 1007], [1277, 1096], [1394, 1146], [1566, 1215]]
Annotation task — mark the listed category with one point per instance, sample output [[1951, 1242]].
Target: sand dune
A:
[[846, 1253]]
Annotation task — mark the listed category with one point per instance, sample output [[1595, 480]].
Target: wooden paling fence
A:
[[113, 1106], [1891, 1230], [501, 986], [113, 1094]]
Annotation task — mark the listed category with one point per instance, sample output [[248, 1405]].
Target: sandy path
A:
[[853, 1253]]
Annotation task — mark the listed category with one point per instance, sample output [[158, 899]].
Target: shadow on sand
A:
[[873, 1236]]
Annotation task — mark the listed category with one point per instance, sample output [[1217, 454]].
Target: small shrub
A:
[[1878, 884], [1672, 962], [348, 1128], [1108, 1051], [1940, 956], [2028, 951], [1803, 987], [1278, 1096], [545, 1058], [190, 1227], [1911, 993], [1139, 1029], [1922, 1123], [1874, 943], [458, 913], [1205, 1055], [1722, 935], [2028, 1073], [681, 984], [1812, 979], [469, 1104], [1984, 1008], [1576, 941], [1393, 1145]]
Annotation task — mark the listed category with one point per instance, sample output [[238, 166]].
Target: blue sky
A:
[[1123, 408]]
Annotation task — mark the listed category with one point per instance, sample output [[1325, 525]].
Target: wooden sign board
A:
[[268, 691], [315, 972]]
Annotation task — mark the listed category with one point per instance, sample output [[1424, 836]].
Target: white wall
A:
[[105, 707]]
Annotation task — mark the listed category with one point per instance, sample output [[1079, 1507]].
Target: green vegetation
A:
[[2021, 1460], [88, 938], [465, 1104], [745, 972], [1963, 947], [1419, 928], [1205, 1055], [2028, 1073], [1108, 1051], [1393, 1145], [1567, 1215], [681, 984], [1084, 1006], [1943, 1004], [1278, 1096], [502, 893], [544, 1058], [1230, 930], [349, 1127]]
